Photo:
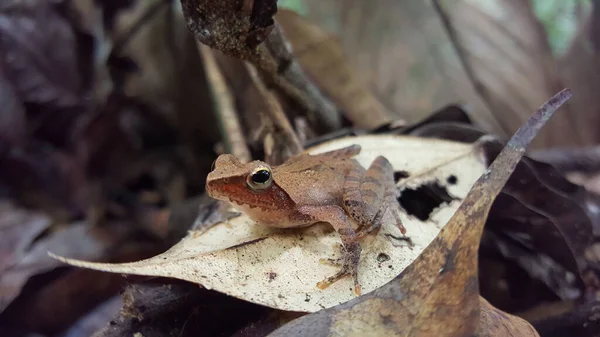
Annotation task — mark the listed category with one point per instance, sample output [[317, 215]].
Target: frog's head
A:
[[250, 184]]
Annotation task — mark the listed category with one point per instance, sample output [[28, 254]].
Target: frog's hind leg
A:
[[369, 194], [336, 216]]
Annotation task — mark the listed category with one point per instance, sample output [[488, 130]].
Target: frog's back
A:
[[314, 182]]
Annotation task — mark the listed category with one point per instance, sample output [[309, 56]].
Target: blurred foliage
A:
[[559, 18], [298, 6]]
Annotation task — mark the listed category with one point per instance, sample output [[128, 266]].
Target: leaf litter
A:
[[106, 204], [280, 268]]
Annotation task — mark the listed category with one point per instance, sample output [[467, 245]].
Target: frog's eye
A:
[[260, 178]]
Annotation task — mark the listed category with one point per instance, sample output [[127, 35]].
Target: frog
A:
[[331, 187]]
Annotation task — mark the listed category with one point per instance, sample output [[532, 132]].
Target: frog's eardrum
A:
[[281, 268]]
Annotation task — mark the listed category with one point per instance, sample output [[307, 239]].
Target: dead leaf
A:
[[581, 321], [571, 159], [404, 55], [579, 68], [494, 322], [135, 159], [185, 308], [451, 114], [163, 102], [39, 50], [545, 215], [505, 51], [536, 243], [438, 294], [12, 120], [54, 301], [567, 205], [322, 57], [96, 319], [44, 83], [82, 241], [169, 76], [259, 268], [18, 229], [41, 176]]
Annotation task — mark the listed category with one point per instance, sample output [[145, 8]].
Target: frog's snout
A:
[[213, 191], [210, 187]]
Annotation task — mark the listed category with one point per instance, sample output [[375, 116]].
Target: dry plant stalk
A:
[[225, 107], [279, 123]]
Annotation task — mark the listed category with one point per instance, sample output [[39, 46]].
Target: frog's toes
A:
[[357, 289], [332, 262], [345, 271], [331, 280]]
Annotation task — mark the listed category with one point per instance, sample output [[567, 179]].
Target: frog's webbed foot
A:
[[336, 216], [332, 262]]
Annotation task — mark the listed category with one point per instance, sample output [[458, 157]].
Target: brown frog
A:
[[306, 189]]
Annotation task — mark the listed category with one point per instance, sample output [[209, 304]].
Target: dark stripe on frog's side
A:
[[369, 194], [352, 178], [371, 179]]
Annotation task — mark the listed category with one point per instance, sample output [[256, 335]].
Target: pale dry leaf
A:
[[280, 268]]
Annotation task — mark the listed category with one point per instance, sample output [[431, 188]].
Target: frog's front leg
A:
[[336, 216], [369, 194]]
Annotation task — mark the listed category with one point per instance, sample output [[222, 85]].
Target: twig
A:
[[275, 113], [267, 65], [224, 106], [303, 130], [332, 72], [288, 67]]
